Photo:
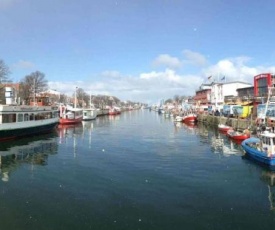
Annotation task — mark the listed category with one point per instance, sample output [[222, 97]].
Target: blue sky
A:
[[140, 50]]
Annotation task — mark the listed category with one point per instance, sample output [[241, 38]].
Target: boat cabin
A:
[[267, 140]]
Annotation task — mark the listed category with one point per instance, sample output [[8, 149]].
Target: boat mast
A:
[[90, 100], [75, 97], [267, 103]]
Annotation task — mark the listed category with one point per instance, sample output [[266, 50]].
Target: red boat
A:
[[190, 118], [238, 136], [224, 128], [114, 111], [69, 115]]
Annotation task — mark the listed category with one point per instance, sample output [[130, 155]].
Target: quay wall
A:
[[240, 124]]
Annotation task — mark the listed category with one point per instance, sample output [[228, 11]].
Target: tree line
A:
[[35, 83]]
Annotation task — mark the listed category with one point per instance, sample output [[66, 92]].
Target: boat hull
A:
[[14, 133], [224, 128], [64, 121], [255, 154], [190, 119], [237, 136]]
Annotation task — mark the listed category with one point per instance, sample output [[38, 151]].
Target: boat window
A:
[[32, 117], [37, 116], [20, 117], [26, 117], [9, 118], [268, 141]]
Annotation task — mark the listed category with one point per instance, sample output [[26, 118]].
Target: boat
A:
[[224, 128], [17, 121], [178, 119], [114, 111], [70, 115], [89, 114], [262, 148], [237, 135], [190, 118]]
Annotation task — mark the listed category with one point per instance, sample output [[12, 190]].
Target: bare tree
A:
[[80, 96], [32, 84], [4, 72]]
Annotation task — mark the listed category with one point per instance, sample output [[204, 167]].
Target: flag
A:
[[209, 77], [223, 78]]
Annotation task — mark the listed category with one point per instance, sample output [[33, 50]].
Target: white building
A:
[[220, 90]]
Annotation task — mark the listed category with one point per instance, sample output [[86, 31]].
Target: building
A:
[[203, 94], [220, 91], [262, 83]]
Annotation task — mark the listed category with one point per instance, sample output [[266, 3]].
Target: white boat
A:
[[23, 120], [89, 114], [178, 119]]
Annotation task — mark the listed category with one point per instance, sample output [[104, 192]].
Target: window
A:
[[9, 118], [26, 117], [20, 117]]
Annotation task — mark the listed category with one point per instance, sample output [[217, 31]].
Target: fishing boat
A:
[[70, 115], [18, 121], [89, 113], [190, 118], [178, 119], [114, 111], [261, 149], [224, 128], [237, 135]]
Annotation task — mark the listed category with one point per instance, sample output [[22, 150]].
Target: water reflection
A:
[[31, 150], [222, 144], [269, 178], [219, 142], [68, 131], [88, 127]]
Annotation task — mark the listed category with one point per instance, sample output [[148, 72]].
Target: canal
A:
[[137, 170]]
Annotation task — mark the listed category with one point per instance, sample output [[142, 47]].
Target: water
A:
[[137, 170]]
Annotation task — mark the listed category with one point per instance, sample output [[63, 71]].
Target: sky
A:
[[138, 50]]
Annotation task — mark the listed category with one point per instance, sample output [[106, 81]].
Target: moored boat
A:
[[261, 149], [224, 128], [18, 121], [70, 115], [237, 135], [89, 114], [178, 119], [114, 111], [190, 118]]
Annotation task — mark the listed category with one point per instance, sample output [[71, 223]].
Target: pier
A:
[[240, 124]]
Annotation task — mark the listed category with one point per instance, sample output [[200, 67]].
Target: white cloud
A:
[[235, 69], [22, 64], [152, 86], [194, 58], [147, 87], [167, 61]]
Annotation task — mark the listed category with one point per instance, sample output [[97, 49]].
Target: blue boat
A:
[[261, 149]]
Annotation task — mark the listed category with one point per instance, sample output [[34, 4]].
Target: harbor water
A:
[[136, 170]]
